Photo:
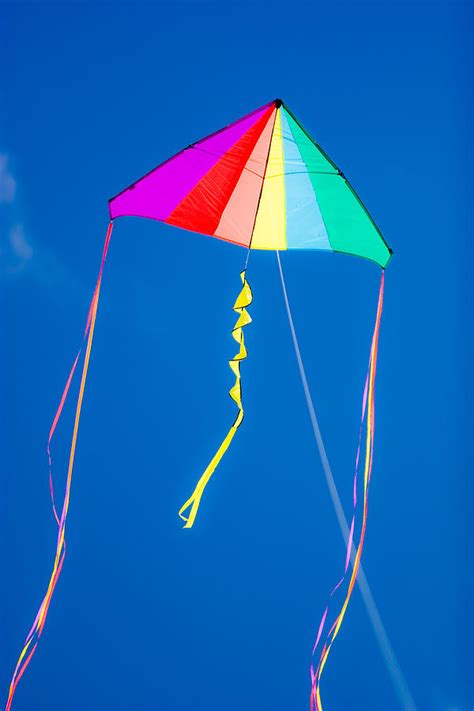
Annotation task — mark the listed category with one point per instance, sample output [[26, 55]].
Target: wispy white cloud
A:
[[7, 181], [21, 248], [15, 250], [21, 255]]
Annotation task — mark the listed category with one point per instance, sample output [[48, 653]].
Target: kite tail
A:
[[36, 630], [244, 299], [368, 408]]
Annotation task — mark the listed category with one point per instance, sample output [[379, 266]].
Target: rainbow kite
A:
[[262, 183]]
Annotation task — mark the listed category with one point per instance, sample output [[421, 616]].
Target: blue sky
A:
[[148, 616]]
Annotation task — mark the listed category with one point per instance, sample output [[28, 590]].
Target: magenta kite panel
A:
[[158, 193]]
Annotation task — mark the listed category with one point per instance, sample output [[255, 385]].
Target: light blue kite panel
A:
[[304, 225]]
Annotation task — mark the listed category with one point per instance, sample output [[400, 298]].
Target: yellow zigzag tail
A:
[[244, 299]]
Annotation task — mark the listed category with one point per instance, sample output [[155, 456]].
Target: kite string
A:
[[369, 400], [36, 630], [392, 664], [244, 300], [247, 259]]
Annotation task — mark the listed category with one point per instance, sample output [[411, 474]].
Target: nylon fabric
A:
[[238, 219], [305, 227], [243, 301], [267, 192], [270, 225], [160, 191], [202, 208], [313, 157], [349, 227]]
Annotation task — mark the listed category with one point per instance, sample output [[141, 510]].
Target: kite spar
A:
[[261, 183]]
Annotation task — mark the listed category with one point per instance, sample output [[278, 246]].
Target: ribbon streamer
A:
[[368, 404], [244, 299], [36, 630]]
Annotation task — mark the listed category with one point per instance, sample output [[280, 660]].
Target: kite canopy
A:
[[261, 182]]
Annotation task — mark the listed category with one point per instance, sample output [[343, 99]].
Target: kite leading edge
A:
[[261, 183]]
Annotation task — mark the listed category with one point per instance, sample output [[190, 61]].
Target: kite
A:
[[261, 183]]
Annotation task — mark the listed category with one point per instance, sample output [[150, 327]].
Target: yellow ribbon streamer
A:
[[244, 299]]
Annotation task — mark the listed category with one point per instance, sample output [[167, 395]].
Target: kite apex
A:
[[278, 103]]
